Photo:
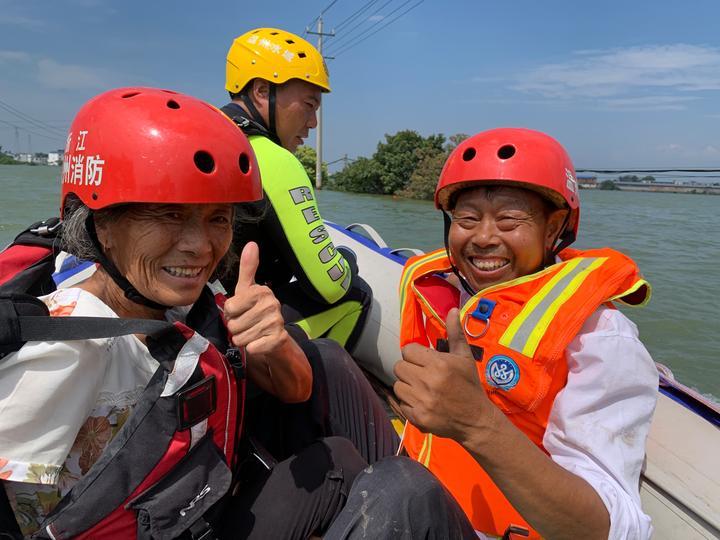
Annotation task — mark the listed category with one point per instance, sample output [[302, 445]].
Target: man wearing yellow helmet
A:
[[276, 80]]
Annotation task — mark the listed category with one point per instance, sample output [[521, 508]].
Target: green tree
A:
[[6, 159], [455, 140], [360, 176], [608, 185], [628, 178], [308, 158], [399, 155], [649, 179], [425, 176]]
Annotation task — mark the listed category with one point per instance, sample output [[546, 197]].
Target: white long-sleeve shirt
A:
[[599, 422]]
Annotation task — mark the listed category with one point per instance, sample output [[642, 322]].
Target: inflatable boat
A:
[[680, 484]]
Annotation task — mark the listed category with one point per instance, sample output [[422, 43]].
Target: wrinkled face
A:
[[501, 233], [169, 251], [296, 108]]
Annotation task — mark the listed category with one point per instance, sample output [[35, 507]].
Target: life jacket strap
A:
[[202, 530]]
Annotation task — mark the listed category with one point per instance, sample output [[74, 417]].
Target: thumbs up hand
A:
[[441, 393], [253, 314]]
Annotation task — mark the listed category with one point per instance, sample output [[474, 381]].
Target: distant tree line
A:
[[6, 159], [404, 164], [635, 178]]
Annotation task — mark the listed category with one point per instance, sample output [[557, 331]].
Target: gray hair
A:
[[76, 238]]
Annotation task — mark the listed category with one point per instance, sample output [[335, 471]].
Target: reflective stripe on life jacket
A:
[[523, 327]]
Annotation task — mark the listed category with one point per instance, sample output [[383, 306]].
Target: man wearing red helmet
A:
[[527, 394]]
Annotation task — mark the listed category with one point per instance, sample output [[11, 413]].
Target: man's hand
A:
[[253, 313], [441, 393]]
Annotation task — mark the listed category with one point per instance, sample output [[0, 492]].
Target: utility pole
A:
[[318, 143], [17, 141]]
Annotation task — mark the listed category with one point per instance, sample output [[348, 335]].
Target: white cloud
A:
[[13, 56], [70, 76], [689, 152], [618, 72], [18, 20], [649, 103]]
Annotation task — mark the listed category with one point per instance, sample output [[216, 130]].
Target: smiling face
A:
[[501, 233], [168, 251], [296, 108]]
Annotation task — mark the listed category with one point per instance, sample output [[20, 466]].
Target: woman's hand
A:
[[275, 362]]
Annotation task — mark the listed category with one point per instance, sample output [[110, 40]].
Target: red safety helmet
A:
[[146, 145], [513, 156]]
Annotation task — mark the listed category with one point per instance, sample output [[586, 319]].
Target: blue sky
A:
[[620, 84]]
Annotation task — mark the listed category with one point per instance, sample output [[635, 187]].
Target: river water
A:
[[674, 238]]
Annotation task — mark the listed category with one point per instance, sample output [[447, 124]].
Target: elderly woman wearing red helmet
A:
[[139, 434]]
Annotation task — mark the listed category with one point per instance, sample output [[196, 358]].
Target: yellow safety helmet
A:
[[276, 56]]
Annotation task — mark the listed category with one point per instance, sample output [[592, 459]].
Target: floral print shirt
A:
[[61, 404]]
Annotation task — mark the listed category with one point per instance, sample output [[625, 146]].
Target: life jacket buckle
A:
[[47, 227], [482, 312], [484, 309], [196, 403]]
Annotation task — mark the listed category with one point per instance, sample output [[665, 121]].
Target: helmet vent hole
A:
[[129, 95], [468, 154], [244, 163], [506, 152], [273, 33], [172, 104], [289, 41], [204, 162], [301, 55]]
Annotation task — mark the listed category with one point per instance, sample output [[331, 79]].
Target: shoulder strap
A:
[[24, 318], [26, 265]]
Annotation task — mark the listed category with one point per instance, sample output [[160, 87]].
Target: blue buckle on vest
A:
[[484, 309]]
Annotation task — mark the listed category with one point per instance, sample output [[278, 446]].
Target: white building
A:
[[54, 158]]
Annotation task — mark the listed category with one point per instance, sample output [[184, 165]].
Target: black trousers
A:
[[399, 499], [320, 447]]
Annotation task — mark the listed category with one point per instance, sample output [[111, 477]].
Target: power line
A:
[[362, 21], [615, 171], [331, 4], [307, 26], [51, 137], [348, 47], [37, 123], [352, 17]]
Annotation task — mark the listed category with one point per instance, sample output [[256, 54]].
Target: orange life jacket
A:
[[523, 327]]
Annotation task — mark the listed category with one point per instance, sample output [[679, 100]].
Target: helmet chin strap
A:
[[257, 117], [131, 293], [447, 220], [566, 238]]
